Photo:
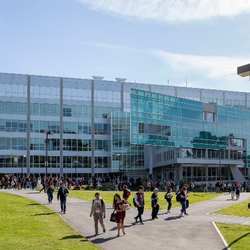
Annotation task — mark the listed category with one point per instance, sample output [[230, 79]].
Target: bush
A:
[[139, 182], [88, 187], [198, 188], [183, 182]]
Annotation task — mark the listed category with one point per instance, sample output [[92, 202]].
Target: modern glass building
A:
[[102, 127]]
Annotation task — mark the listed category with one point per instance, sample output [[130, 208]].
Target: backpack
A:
[[134, 203], [178, 197], [128, 192]]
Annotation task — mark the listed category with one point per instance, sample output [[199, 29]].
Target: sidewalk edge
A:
[[221, 236]]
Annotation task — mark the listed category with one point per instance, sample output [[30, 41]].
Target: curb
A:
[[222, 238]]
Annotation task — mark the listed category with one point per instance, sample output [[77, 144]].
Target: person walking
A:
[[233, 191], [98, 210], [237, 192], [168, 197], [43, 182], [126, 193], [154, 204], [19, 180], [165, 185], [140, 202], [120, 207], [183, 197], [209, 187], [148, 186], [50, 191], [62, 194], [177, 186], [205, 187]]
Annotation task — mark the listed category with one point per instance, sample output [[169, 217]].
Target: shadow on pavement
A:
[[172, 218], [34, 193], [102, 240]]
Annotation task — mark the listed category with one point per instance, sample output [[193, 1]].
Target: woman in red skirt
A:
[[120, 207]]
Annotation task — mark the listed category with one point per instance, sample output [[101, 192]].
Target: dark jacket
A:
[[125, 193], [154, 199], [61, 194]]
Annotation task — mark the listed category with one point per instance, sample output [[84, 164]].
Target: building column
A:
[[228, 174], [206, 172], [61, 127], [175, 173], [122, 98], [92, 129], [28, 128], [206, 153], [180, 172], [162, 168], [246, 101], [150, 159]]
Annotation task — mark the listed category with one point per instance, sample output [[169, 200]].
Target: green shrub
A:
[[139, 181], [183, 182], [88, 187]]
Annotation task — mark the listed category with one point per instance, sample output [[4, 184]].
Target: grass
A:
[[237, 236], [28, 225], [239, 209], [108, 197]]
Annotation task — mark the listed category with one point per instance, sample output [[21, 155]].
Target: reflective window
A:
[[236, 142]]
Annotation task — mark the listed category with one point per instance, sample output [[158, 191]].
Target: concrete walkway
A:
[[195, 231]]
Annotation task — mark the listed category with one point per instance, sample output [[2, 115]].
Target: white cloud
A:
[[170, 10], [214, 67]]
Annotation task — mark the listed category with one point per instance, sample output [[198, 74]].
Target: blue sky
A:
[[148, 41]]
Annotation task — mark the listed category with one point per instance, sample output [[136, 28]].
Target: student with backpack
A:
[[237, 192], [154, 204], [168, 197], [98, 210], [182, 199], [139, 202], [126, 192]]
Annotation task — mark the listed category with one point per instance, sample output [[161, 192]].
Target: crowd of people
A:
[[121, 204]]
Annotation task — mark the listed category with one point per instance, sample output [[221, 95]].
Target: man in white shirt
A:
[[98, 210]]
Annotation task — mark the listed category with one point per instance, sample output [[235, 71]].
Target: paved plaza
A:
[[195, 231]]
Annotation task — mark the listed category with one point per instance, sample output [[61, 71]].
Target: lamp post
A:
[[76, 162], [47, 141], [24, 156], [118, 155]]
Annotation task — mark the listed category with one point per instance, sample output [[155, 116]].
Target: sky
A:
[[177, 42]]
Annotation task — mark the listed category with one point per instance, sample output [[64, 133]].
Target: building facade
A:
[[102, 127]]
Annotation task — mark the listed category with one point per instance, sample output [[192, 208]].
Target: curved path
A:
[[195, 231]]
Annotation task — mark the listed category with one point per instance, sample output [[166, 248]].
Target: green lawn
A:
[[26, 224], [109, 195], [239, 209], [237, 236]]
